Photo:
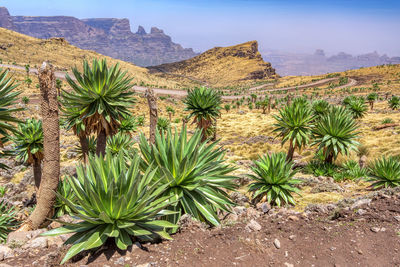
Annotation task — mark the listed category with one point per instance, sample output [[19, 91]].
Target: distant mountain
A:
[[108, 36], [222, 66], [318, 63]]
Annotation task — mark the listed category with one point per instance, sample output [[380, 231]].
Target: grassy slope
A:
[[221, 66], [22, 49]]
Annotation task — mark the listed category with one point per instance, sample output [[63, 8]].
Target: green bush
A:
[[273, 179], [8, 222], [64, 191], [115, 200], [194, 171], [336, 133], [385, 172], [387, 121], [120, 143], [394, 102]]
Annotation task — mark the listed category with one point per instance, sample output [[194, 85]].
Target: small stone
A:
[[6, 252], [120, 261], [292, 237], [383, 229], [332, 248], [359, 251], [361, 202], [375, 229], [293, 218], [277, 243], [286, 253], [253, 226], [252, 213], [361, 212], [288, 264], [39, 242], [397, 218]]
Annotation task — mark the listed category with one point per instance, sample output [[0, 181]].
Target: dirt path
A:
[[366, 234], [183, 93]]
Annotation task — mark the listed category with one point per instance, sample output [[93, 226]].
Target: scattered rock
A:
[[288, 264], [20, 238], [375, 229], [39, 242], [264, 207], [326, 187], [277, 243], [239, 210], [252, 213], [5, 252], [397, 218], [361, 212], [253, 226], [360, 202], [239, 198], [186, 222], [293, 218], [292, 237], [241, 112], [120, 261]]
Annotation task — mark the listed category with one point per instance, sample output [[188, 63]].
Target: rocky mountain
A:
[[222, 66], [108, 36], [318, 63]]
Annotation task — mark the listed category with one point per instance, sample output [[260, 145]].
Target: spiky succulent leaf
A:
[[114, 199], [28, 141], [294, 124], [336, 133], [195, 172], [273, 179], [99, 98], [385, 172], [394, 102], [8, 222], [120, 143]]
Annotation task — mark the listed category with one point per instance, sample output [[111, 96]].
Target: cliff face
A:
[[222, 66], [111, 37]]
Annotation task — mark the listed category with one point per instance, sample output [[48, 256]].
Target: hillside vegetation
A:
[[222, 66], [20, 49]]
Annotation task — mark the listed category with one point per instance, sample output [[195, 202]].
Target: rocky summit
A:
[[108, 36], [222, 66]]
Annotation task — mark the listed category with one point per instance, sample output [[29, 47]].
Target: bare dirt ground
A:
[[364, 233]]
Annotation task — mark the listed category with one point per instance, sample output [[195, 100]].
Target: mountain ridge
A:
[[109, 36]]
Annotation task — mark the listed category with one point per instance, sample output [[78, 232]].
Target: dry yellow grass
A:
[[222, 66], [22, 49]]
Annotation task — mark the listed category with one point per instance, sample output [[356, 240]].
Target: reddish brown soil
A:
[[342, 238]]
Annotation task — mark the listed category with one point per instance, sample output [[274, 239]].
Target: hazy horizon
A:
[[351, 26]]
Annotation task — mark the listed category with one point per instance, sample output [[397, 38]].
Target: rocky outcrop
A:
[[5, 19], [109, 36], [222, 66]]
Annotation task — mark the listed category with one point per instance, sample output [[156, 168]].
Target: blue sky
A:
[[352, 26]]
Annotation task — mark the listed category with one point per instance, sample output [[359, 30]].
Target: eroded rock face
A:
[[109, 36]]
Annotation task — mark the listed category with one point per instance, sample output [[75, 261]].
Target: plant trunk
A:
[[85, 147], [372, 105], [290, 152], [152, 102], [51, 148], [37, 172], [215, 131], [203, 126], [329, 158], [264, 109], [101, 143]]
